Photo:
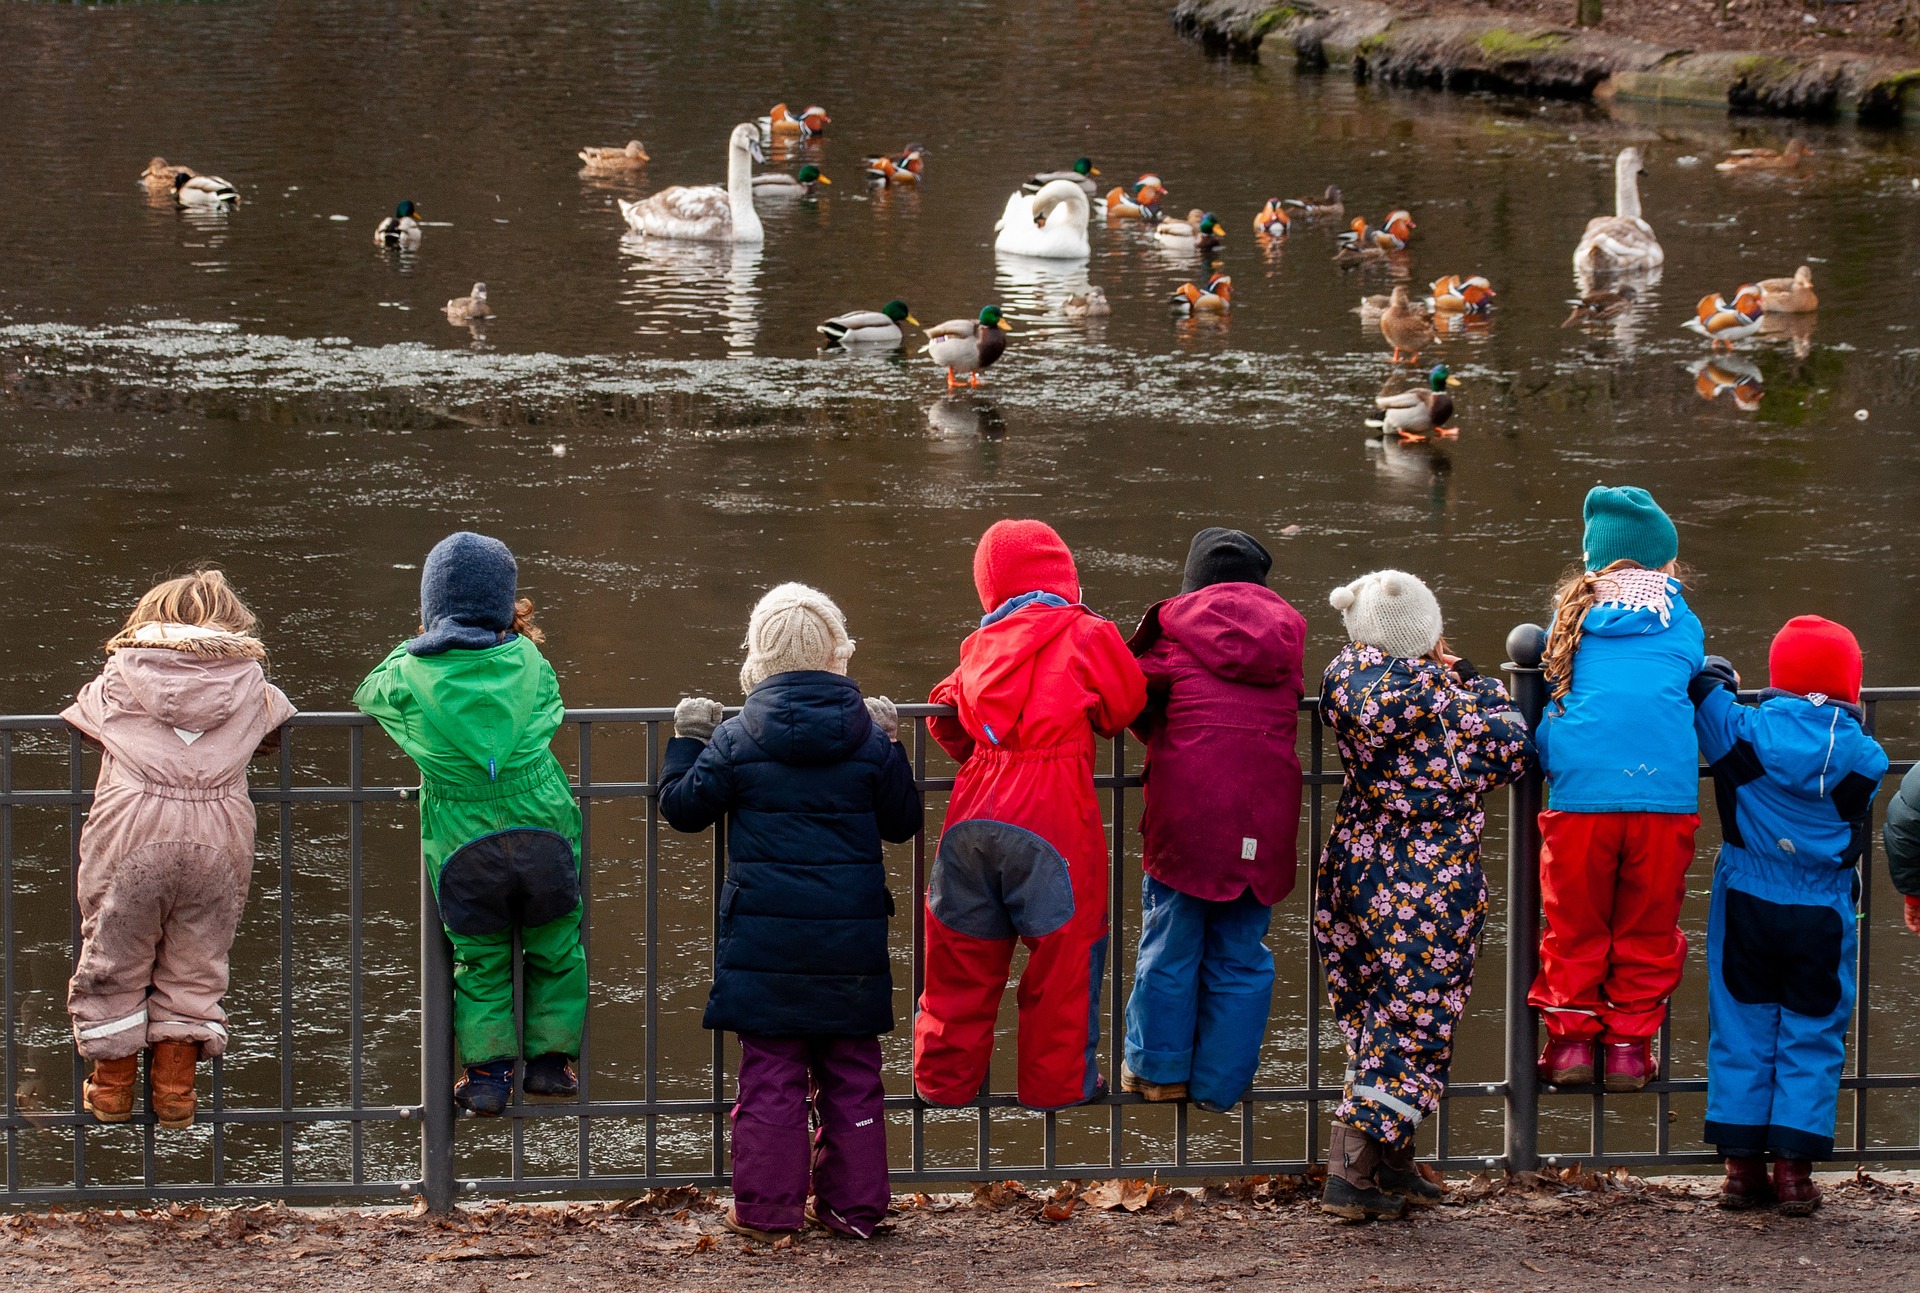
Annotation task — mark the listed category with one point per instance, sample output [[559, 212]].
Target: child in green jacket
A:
[[476, 705]]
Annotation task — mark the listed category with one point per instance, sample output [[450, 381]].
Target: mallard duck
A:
[[1723, 322], [1200, 230], [1394, 234], [1328, 206], [1416, 413], [191, 190], [777, 184], [783, 121], [1721, 374], [1081, 173], [1622, 240], [159, 175], [1790, 295], [1456, 295], [1216, 298], [1766, 159], [612, 161], [1598, 305], [1405, 327], [904, 169], [465, 309], [1090, 304], [1051, 224], [968, 345], [868, 327], [401, 229], [707, 213], [1273, 220]]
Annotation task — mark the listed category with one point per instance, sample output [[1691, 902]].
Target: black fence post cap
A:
[[1527, 645]]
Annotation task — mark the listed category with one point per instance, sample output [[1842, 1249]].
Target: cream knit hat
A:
[[793, 628], [1391, 610]]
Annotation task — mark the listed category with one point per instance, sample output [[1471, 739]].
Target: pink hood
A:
[[1241, 632]]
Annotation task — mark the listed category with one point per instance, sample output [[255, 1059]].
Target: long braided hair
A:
[[1573, 597]]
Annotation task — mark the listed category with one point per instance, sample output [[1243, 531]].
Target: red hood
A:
[[996, 667], [1240, 632], [1016, 557]]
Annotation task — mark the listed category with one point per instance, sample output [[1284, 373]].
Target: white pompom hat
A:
[[794, 628], [1391, 610]]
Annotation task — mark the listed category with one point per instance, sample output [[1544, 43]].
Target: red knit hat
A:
[[1812, 655], [1017, 557]]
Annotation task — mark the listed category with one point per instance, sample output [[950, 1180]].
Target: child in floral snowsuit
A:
[[1400, 896]]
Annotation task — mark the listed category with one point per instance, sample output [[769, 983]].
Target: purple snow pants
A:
[[775, 1150]]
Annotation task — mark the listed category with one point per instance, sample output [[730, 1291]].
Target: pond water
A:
[[656, 432]]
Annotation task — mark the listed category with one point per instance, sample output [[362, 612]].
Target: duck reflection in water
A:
[[1733, 375], [678, 287], [966, 416], [1415, 467], [1796, 328]]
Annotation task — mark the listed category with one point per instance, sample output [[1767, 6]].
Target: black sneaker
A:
[[486, 1090], [551, 1077]]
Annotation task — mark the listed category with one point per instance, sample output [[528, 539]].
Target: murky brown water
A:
[[269, 390]]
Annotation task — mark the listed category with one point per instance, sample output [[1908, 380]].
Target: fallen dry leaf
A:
[[705, 1244], [1079, 1284]]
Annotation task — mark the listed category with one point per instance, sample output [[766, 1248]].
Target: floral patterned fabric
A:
[[1400, 896]]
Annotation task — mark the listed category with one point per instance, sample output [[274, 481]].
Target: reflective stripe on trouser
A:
[[1399, 903], [778, 1160], [554, 982], [1611, 950], [1780, 997], [1202, 991]]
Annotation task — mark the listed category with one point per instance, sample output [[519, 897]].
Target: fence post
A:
[[1525, 647], [436, 1055]]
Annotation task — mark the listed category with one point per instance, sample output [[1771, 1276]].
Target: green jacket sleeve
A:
[[381, 695], [1903, 835]]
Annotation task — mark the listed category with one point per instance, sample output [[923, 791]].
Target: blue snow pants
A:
[[1780, 990], [1202, 990]]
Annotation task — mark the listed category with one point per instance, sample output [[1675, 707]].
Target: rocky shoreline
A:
[[1501, 53]]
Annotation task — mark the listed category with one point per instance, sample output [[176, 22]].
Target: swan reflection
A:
[[675, 288]]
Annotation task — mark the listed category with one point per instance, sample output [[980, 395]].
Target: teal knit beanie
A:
[[1625, 524]]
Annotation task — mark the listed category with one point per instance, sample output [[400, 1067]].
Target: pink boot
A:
[[1566, 1062], [1629, 1066]]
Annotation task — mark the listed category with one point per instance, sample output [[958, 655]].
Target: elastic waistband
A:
[[1034, 754], [505, 786], [236, 789]]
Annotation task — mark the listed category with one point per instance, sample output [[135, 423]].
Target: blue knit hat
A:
[[466, 595], [1625, 524]]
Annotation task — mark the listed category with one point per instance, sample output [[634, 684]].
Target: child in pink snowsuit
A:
[[167, 850]]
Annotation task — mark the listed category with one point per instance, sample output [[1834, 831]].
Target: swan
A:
[[1051, 224], [1622, 240], [707, 213]]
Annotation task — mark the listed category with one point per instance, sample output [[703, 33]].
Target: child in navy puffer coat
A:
[[811, 779], [1794, 778]]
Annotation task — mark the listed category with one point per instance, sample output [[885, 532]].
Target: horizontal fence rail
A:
[[370, 1140]]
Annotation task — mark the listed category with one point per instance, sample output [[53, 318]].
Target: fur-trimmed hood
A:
[[194, 639]]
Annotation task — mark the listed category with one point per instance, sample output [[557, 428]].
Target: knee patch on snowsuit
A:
[[1784, 954], [993, 880], [521, 877]]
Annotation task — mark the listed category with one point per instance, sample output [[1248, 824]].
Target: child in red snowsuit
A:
[[1023, 854]]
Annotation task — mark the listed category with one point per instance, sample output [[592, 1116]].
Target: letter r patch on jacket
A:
[[1249, 849]]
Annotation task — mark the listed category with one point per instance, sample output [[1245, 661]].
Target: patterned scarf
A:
[[1636, 590]]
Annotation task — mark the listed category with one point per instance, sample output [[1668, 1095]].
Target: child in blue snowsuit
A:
[[1794, 779]]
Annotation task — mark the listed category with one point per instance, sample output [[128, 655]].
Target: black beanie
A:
[[466, 594], [1225, 557]]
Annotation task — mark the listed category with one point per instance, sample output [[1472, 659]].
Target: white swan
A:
[[1622, 240], [1051, 224], [707, 213]]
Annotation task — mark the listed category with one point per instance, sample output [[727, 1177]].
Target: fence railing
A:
[[343, 1009]]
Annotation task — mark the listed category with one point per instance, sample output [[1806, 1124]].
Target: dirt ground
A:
[[1890, 27], [1546, 1232]]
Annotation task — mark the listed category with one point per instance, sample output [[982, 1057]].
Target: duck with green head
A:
[[401, 229], [777, 184], [868, 327], [1415, 414], [1081, 173], [968, 345]]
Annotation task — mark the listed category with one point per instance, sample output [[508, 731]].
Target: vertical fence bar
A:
[[356, 919], [6, 957], [286, 955], [74, 770], [651, 1042], [583, 1127], [436, 1054], [1116, 935], [1525, 647], [918, 901], [713, 970], [1863, 953], [1316, 764]]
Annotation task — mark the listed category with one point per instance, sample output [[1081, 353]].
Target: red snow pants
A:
[[1611, 953]]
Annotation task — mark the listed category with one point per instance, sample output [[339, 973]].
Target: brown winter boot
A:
[[170, 1075], [1353, 1192], [1793, 1184], [1746, 1184], [1153, 1092], [1401, 1176], [108, 1091]]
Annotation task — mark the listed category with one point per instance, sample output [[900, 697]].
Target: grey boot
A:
[[1399, 1175], [1353, 1190]]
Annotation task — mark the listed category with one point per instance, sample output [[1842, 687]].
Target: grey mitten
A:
[[696, 716], [884, 716], [1717, 673]]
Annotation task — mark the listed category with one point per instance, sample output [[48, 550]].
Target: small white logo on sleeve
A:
[[1249, 849]]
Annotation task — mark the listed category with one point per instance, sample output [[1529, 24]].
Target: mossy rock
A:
[[1759, 69], [1278, 16], [1503, 43]]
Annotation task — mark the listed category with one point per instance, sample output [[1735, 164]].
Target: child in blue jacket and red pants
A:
[[1794, 778]]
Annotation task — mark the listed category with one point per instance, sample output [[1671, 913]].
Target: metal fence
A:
[[436, 1146]]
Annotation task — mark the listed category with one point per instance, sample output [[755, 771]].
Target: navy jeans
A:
[[1202, 990]]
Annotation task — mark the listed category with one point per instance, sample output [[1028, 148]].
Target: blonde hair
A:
[[203, 599], [523, 622], [1573, 597]]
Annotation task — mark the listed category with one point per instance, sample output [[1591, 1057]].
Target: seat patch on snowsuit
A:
[[995, 880], [1784, 954], [522, 878]]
